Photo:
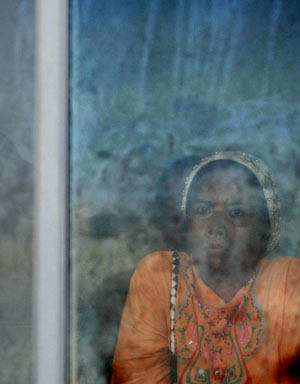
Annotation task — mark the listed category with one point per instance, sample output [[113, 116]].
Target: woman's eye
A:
[[237, 212], [202, 210]]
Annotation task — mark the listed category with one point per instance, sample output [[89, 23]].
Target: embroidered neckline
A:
[[219, 338]]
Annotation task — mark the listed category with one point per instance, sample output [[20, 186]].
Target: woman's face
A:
[[225, 229]]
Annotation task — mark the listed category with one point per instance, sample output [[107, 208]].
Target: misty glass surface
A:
[[152, 82], [16, 190]]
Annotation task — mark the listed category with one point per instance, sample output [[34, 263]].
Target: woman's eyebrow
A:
[[230, 203], [239, 203], [205, 202]]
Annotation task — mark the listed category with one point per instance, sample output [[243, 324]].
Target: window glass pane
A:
[[16, 190], [154, 82]]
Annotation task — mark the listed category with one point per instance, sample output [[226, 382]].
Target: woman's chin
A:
[[217, 262]]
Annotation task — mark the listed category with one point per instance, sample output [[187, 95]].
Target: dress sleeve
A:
[[290, 337], [142, 354]]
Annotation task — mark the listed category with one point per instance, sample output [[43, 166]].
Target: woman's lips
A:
[[215, 250]]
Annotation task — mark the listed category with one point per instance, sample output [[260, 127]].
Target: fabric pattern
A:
[[216, 341], [253, 338]]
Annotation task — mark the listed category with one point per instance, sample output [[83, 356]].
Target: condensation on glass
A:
[[154, 86], [16, 190]]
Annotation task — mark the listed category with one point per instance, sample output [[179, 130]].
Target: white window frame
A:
[[50, 290]]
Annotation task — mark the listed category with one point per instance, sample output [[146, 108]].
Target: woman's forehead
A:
[[226, 175], [229, 183]]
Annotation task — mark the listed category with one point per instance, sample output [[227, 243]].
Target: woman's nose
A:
[[216, 228]]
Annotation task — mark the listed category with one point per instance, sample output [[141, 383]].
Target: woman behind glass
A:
[[221, 312]]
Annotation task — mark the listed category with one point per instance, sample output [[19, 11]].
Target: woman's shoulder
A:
[[160, 261], [153, 272], [156, 260], [281, 265]]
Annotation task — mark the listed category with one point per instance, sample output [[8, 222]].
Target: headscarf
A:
[[260, 170]]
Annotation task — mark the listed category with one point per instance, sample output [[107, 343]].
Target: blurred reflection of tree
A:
[[166, 215], [101, 314]]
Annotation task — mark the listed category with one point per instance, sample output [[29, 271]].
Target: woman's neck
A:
[[225, 282]]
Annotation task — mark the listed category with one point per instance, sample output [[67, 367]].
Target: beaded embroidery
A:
[[173, 295]]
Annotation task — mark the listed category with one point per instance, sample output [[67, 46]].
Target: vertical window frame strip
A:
[[50, 288]]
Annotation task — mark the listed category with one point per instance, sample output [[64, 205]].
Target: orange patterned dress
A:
[[254, 338]]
